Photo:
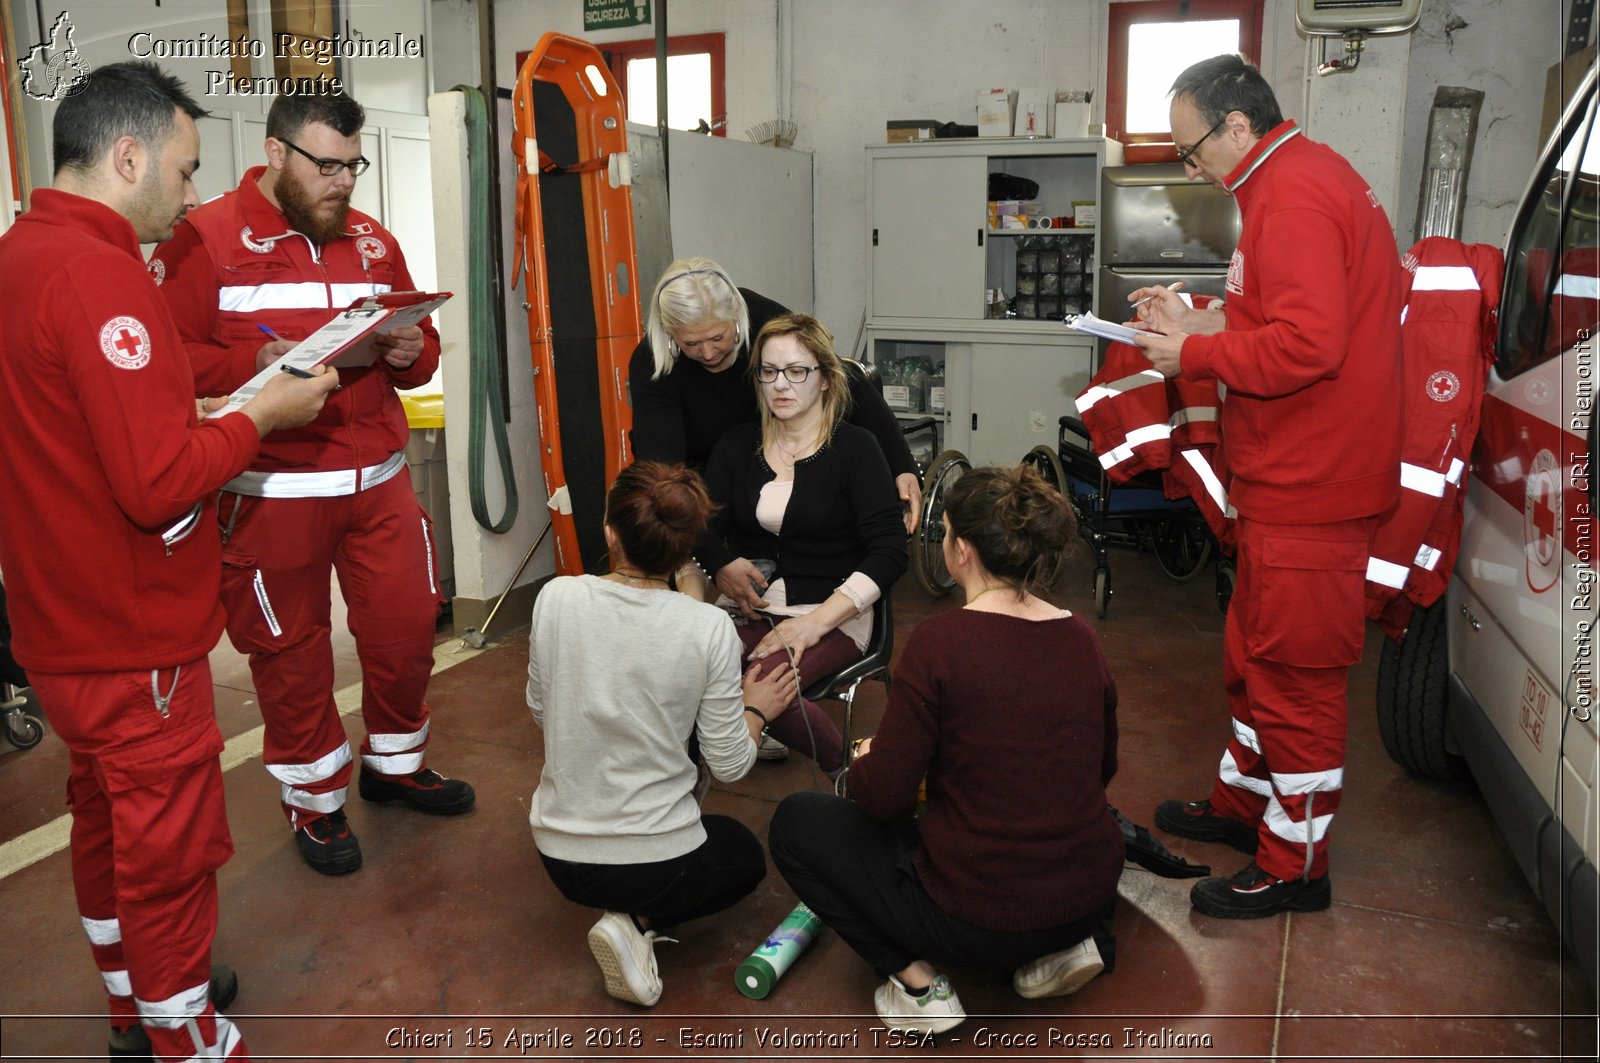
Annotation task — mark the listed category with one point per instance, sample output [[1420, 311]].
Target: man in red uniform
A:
[[285, 251], [113, 566], [1308, 345]]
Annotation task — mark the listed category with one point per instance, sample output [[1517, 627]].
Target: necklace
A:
[[638, 579], [986, 590]]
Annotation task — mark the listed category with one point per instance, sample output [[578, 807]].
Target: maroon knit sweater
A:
[[1013, 723]]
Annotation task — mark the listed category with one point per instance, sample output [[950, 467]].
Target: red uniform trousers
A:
[[279, 555], [803, 725], [149, 831], [1295, 626]]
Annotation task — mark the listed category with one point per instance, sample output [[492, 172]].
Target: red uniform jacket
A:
[[111, 560], [1452, 299], [1139, 421], [235, 264], [1311, 355]]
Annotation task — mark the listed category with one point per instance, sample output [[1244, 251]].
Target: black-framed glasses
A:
[[331, 167], [1185, 156], [794, 374]]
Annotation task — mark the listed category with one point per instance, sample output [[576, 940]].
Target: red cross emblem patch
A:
[[125, 342], [1443, 386], [1542, 522], [371, 248]]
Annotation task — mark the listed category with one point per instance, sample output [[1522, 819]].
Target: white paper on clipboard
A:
[[1110, 330], [346, 341]]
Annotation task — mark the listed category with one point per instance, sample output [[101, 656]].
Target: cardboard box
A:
[[994, 112], [905, 130], [1033, 113]]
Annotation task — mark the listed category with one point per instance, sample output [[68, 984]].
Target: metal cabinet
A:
[[932, 256]]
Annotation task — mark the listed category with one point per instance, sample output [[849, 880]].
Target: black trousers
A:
[[724, 870], [858, 877]]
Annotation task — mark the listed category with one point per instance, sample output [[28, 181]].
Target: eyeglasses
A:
[[1185, 156], [794, 374], [331, 167]]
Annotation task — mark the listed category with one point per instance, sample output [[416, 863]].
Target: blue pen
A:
[[290, 369]]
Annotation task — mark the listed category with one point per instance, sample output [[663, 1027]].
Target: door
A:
[[926, 243], [1020, 391]]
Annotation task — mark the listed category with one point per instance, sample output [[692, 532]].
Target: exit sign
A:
[[606, 14]]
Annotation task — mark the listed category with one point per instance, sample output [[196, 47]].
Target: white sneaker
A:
[[937, 1010], [1059, 973], [627, 959], [769, 748]]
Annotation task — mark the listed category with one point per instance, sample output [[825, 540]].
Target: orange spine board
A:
[[580, 72]]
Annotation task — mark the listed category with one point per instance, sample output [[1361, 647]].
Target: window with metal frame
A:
[[696, 80]]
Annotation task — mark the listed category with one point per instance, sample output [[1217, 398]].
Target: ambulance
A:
[[1497, 679]]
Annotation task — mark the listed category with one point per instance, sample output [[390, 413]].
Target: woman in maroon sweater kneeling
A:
[[1007, 709]]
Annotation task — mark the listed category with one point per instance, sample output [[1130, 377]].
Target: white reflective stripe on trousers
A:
[[1230, 774], [102, 931], [394, 763], [322, 768], [332, 801]]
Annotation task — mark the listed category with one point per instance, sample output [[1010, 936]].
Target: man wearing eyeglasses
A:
[[284, 252], [1308, 344]]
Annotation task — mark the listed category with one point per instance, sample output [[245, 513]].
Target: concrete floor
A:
[[450, 943]]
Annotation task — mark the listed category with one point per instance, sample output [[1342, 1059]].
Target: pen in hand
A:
[[1174, 286], [292, 370]]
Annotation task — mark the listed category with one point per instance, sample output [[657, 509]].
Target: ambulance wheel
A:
[[927, 545], [1413, 703], [1047, 463], [26, 731], [1182, 545], [1102, 591]]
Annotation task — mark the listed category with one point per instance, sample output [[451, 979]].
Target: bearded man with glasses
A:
[[285, 252]]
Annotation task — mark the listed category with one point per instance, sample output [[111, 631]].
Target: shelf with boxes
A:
[[934, 251]]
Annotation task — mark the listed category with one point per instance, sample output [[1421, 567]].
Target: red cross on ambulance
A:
[[1541, 522]]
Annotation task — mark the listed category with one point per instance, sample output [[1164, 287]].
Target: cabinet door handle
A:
[[874, 238], [980, 237]]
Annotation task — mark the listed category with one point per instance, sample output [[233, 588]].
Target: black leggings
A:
[[724, 870], [858, 877]]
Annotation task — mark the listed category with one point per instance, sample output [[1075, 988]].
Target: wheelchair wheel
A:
[[1102, 592], [1047, 463], [25, 732], [927, 545], [1227, 576], [1182, 545]]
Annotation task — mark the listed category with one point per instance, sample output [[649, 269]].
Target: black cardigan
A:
[[843, 517], [680, 417]]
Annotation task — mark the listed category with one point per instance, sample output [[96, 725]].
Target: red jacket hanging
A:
[[1449, 323], [1139, 421]]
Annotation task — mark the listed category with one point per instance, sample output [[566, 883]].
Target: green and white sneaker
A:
[[935, 1011]]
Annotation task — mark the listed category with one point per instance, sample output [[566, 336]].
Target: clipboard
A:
[[346, 341]]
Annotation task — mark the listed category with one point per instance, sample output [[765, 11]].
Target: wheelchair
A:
[[1136, 515]]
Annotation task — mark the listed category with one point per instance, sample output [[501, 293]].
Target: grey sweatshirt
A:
[[618, 678]]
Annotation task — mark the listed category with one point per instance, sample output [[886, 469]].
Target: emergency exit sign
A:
[[606, 14]]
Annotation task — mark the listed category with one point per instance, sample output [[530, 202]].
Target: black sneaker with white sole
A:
[[1254, 894]]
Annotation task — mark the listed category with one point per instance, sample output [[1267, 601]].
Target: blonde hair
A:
[[691, 293], [813, 336]]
